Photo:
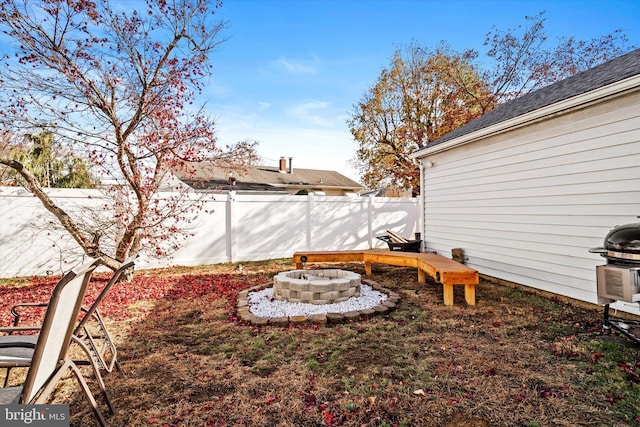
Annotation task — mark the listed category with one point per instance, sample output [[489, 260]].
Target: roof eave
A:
[[333, 187], [533, 116]]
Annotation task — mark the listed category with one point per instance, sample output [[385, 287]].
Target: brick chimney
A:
[[282, 168]]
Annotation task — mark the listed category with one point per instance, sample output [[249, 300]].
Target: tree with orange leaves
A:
[[424, 93], [420, 97]]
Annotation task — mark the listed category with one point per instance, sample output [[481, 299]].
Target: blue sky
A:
[[291, 70]]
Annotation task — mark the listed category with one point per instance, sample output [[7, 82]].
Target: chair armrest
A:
[[10, 329], [16, 314]]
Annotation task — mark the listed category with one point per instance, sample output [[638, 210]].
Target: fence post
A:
[[370, 221], [310, 200], [231, 197], [421, 209]]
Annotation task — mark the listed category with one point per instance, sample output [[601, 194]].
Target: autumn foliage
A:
[[117, 84], [144, 287], [426, 93]]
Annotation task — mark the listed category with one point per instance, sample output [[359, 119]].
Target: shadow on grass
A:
[[515, 359]]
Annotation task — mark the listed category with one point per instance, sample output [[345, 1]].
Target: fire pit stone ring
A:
[[316, 286]]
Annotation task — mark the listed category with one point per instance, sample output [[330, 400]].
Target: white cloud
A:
[[311, 132], [217, 90], [235, 121], [297, 66], [306, 110], [310, 147]]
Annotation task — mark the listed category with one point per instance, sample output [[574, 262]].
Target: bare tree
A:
[[117, 84], [521, 60]]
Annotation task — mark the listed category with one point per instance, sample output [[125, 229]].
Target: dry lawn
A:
[[517, 358]]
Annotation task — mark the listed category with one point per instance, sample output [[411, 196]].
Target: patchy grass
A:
[[517, 358]]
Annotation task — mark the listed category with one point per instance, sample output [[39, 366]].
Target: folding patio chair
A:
[[92, 331], [50, 360], [90, 334]]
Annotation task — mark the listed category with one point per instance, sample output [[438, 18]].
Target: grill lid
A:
[[625, 238], [622, 242]]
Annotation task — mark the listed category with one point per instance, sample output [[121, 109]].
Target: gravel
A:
[[262, 304]]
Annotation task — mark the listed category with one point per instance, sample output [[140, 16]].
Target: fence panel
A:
[[228, 228]]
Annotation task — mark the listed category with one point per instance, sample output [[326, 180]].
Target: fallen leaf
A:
[[419, 392]]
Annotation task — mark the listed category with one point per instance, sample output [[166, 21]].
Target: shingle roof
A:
[[602, 75], [262, 178]]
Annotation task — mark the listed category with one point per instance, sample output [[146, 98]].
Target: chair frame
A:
[[50, 360], [82, 336]]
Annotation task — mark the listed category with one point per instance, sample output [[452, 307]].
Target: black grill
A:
[[619, 279]]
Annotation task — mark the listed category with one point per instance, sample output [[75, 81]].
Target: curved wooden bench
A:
[[443, 270]]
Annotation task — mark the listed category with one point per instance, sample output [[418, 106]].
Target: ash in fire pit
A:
[[316, 286]]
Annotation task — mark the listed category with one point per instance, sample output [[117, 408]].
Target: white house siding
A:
[[527, 204]]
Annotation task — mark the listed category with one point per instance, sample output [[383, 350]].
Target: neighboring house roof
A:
[[205, 176], [597, 77], [386, 192]]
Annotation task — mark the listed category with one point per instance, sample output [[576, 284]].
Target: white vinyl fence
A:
[[228, 228]]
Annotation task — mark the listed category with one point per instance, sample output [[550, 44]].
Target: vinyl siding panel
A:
[[527, 204]]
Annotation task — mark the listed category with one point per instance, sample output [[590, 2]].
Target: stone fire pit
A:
[[319, 297], [316, 286]]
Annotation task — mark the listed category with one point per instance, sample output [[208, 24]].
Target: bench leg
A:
[[422, 276], [367, 268], [470, 294], [448, 294]]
